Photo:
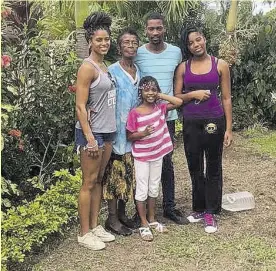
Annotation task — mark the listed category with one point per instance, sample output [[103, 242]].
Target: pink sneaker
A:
[[210, 224]]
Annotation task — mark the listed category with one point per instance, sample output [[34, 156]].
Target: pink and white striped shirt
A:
[[156, 145]]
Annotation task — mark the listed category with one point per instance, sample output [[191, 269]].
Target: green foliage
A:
[[37, 103], [29, 225], [178, 127], [8, 189], [58, 19], [254, 80]]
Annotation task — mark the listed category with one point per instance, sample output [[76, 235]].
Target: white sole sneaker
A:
[[102, 234], [193, 220], [91, 241], [210, 229]]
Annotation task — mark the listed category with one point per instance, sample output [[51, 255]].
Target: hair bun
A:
[[97, 19]]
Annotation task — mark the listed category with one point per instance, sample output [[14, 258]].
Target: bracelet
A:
[[92, 147]]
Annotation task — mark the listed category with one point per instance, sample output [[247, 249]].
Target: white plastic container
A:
[[239, 201]]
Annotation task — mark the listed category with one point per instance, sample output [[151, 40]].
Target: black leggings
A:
[[205, 137]]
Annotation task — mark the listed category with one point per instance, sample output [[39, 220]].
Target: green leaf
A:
[[12, 90], [7, 107]]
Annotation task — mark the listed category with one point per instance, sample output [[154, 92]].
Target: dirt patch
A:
[[245, 240]]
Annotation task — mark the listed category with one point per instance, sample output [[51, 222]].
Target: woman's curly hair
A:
[[96, 21]]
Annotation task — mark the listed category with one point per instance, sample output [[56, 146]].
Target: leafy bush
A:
[[29, 225], [254, 78], [37, 80], [40, 77]]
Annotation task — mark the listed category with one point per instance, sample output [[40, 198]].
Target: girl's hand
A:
[[159, 96], [202, 95], [228, 138], [149, 130], [92, 146]]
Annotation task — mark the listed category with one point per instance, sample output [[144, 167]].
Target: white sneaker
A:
[[91, 241], [105, 236]]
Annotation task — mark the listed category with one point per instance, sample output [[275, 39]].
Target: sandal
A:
[[146, 234], [159, 227]]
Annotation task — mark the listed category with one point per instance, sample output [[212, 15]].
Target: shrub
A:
[[253, 78], [37, 89], [45, 114], [29, 225]]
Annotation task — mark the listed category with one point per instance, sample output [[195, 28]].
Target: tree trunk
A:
[[81, 45], [81, 12], [232, 17]]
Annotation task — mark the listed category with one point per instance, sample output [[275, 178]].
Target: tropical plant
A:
[[135, 13], [124, 13], [58, 21], [254, 80], [38, 107]]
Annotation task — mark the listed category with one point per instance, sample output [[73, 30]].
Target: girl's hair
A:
[[128, 30], [146, 82], [96, 21], [184, 40]]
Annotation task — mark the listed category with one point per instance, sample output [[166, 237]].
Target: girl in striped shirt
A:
[[147, 129]]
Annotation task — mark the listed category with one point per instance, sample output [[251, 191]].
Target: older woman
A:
[[119, 178]]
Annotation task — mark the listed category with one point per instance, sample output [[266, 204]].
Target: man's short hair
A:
[[154, 16]]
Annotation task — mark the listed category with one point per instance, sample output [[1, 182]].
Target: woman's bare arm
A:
[[225, 85], [86, 75]]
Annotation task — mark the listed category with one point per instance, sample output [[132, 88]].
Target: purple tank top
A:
[[211, 108]]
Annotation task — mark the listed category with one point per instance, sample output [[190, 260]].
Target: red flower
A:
[[72, 89], [5, 13], [5, 61], [15, 133]]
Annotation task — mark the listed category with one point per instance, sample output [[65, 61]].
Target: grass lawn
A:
[[264, 141], [244, 241]]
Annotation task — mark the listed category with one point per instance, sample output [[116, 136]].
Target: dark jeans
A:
[[205, 137], [167, 177]]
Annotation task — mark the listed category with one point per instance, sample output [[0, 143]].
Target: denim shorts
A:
[[80, 140]]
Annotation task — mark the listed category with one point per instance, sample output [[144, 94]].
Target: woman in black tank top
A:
[[95, 148]]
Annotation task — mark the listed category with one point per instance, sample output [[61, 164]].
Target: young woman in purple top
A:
[[207, 123]]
